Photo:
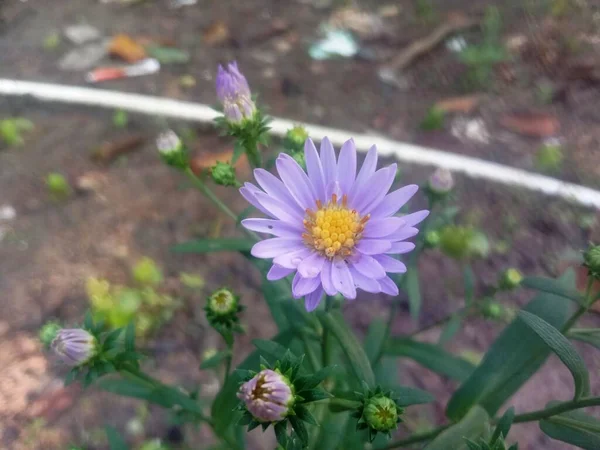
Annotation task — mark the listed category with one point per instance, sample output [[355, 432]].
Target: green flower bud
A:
[[48, 332], [455, 241], [432, 239], [172, 150], [300, 159], [58, 186], [224, 174], [492, 310], [222, 309], [441, 182], [146, 272], [549, 157], [381, 413], [591, 260], [295, 138], [510, 279]]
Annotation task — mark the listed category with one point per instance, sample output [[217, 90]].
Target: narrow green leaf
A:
[[215, 360], [238, 150], [591, 337], [413, 290], [280, 433], [299, 428], [472, 426], [503, 427], [357, 357], [552, 286], [304, 414], [431, 356], [561, 346], [215, 245], [115, 440], [127, 388], [512, 359], [408, 396], [270, 348], [573, 427], [374, 340], [130, 337], [450, 329]]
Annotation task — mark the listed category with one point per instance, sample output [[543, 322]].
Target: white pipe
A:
[[156, 106]]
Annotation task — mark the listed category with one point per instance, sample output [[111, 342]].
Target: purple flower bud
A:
[[268, 396], [234, 93], [441, 181], [75, 346]]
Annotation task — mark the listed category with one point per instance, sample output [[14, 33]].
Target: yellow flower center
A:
[[333, 229]]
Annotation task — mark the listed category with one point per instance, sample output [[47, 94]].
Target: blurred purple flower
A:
[[234, 93], [268, 396], [333, 227], [441, 181], [74, 345]]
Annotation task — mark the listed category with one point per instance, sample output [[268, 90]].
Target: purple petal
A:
[[390, 264], [376, 188], [296, 181], [292, 259], [274, 227], [394, 201], [401, 247], [278, 209], [271, 248], [326, 278], [377, 228], [367, 284], [278, 272], [415, 218], [388, 286], [304, 286], [250, 195], [366, 171], [314, 169], [403, 233], [311, 266], [312, 300], [347, 166], [368, 266], [328, 162], [276, 189], [373, 246], [342, 279]]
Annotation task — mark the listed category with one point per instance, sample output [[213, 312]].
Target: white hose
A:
[[157, 106]]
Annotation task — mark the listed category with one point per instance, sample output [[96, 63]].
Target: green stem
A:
[[439, 322], [312, 357], [202, 187], [557, 409], [325, 347], [228, 364], [343, 404], [415, 438]]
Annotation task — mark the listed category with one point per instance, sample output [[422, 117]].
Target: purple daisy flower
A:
[[234, 93], [334, 228], [268, 396]]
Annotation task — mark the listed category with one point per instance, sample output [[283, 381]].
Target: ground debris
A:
[[534, 124], [109, 151]]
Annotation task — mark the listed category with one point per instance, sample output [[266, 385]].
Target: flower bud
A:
[[147, 273], [75, 346], [295, 138], [591, 260], [58, 186], [455, 241], [381, 413], [234, 93], [222, 310], [268, 396], [432, 239], [300, 159], [224, 174], [48, 332], [510, 279], [441, 181], [172, 150]]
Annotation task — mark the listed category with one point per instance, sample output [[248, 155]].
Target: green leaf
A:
[[473, 425], [504, 424], [451, 328], [552, 286], [127, 388], [270, 348], [130, 337], [512, 359], [299, 428], [375, 338], [573, 427], [226, 400], [215, 245], [469, 281], [238, 150], [407, 396], [359, 362], [561, 346], [215, 360], [280, 433], [168, 55], [304, 414], [115, 440], [591, 337], [413, 290], [431, 356]]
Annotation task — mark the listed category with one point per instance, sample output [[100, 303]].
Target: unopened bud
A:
[[510, 279], [222, 310], [381, 413], [268, 396], [591, 260], [48, 332], [295, 138], [75, 346], [441, 181], [224, 174], [172, 150], [234, 93], [432, 239]]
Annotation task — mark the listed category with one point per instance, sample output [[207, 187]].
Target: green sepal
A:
[[304, 414]]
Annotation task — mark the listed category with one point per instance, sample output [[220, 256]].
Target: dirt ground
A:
[[137, 207]]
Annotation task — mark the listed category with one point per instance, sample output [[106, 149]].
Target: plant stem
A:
[[202, 187], [312, 358], [439, 322], [325, 347], [344, 404], [557, 409], [415, 438]]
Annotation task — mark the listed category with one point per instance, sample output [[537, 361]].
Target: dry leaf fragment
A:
[[126, 48], [531, 124], [464, 104]]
